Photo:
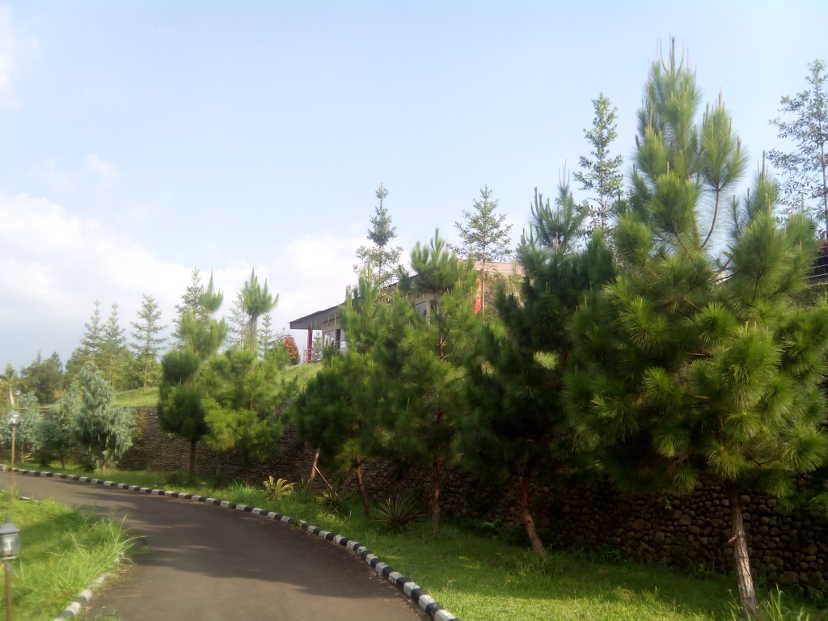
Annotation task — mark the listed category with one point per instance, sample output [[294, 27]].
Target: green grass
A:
[[302, 372], [138, 397], [63, 551], [480, 577]]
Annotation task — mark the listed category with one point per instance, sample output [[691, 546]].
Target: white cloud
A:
[[54, 264], [101, 168]]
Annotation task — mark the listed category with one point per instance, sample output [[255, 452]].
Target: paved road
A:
[[207, 563]]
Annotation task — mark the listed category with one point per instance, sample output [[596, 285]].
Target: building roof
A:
[[316, 320]]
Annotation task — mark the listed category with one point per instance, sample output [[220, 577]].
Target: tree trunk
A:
[[312, 474], [192, 455], [436, 482], [744, 578], [528, 520], [362, 491]]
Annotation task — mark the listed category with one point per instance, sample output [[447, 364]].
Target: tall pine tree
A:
[[147, 341], [679, 377], [516, 431], [600, 173], [380, 259]]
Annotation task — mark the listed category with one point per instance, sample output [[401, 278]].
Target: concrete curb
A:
[[408, 587], [82, 599]]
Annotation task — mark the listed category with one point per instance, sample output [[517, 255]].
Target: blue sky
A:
[[143, 139]]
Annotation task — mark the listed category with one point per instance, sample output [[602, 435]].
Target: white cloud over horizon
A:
[[55, 264]]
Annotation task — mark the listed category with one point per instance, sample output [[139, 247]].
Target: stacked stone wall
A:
[[690, 531]]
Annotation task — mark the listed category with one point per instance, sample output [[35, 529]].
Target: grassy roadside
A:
[[479, 577], [63, 551]]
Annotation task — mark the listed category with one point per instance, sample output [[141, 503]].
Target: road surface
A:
[[204, 563]]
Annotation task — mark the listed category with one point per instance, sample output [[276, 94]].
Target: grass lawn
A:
[[63, 550], [480, 577]]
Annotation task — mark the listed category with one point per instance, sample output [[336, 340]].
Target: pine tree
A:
[[484, 234], [190, 302], [423, 358], [237, 322], [600, 173], [338, 412], [256, 301], [114, 358], [380, 259], [265, 337], [243, 398], [147, 340], [516, 429], [805, 168], [180, 410], [103, 430], [197, 330], [680, 376], [91, 345]]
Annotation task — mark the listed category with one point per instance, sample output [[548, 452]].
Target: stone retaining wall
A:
[[686, 531]]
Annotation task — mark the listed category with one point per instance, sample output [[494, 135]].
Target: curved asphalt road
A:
[[206, 563]]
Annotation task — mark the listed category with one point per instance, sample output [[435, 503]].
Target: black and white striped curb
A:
[[81, 599], [411, 589]]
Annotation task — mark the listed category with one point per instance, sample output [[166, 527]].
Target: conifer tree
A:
[[423, 357], [103, 430], [44, 377], [256, 301], [147, 340], [679, 377], [338, 410], [265, 338], [91, 345], [114, 357], [805, 168], [484, 234], [243, 399], [600, 173], [380, 259], [197, 330], [516, 429]]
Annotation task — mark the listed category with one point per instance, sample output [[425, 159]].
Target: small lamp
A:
[[9, 541]]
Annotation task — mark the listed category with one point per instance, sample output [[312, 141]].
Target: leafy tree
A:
[[805, 167], [243, 398], [517, 428], [484, 234], [289, 344], [44, 377], [256, 301], [147, 340], [680, 377], [103, 430], [380, 259], [57, 430], [423, 357], [600, 173]]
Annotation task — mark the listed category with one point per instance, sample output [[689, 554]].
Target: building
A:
[[329, 321]]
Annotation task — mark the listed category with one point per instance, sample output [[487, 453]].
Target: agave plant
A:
[[397, 513], [276, 489]]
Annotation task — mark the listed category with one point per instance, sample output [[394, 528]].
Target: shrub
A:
[[276, 489], [397, 513]]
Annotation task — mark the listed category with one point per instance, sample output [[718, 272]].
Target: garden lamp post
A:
[[14, 418], [9, 549]]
